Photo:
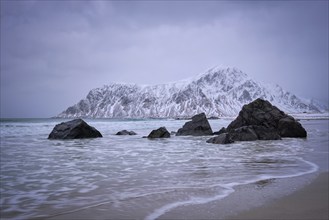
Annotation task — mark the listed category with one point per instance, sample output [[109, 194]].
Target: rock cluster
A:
[[74, 129], [260, 120]]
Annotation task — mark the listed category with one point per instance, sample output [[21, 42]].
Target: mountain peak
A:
[[220, 91]]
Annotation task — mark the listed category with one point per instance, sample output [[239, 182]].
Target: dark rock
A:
[[223, 138], [289, 127], [269, 122], [125, 132], [264, 133], [258, 112], [74, 129], [221, 131], [199, 126], [159, 133], [244, 133], [260, 120]]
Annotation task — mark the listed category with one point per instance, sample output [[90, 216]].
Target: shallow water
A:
[[120, 174]]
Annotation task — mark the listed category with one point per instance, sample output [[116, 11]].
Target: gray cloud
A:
[[54, 52]]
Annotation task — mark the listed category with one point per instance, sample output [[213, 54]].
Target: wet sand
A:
[[302, 197], [310, 202], [290, 198]]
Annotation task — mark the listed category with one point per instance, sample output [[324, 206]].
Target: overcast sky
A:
[[54, 52]]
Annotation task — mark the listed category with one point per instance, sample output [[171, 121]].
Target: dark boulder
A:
[[223, 138], [125, 132], [244, 133], [159, 133], [254, 132], [258, 112], [260, 120], [199, 126], [265, 133], [269, 122], [289, 127], [74, 129]]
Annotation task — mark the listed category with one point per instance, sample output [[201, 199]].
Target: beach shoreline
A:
[[301, 197], [310, 202]]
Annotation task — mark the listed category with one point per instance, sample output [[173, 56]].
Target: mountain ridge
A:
[[218, 92]]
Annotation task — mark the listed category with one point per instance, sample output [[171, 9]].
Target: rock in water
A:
[[125, 132], [244, 133], [260, 120], [267, 121], [223, 138], [258, 112], [289, 127], [159, 133], [74, 129], [199, 126]]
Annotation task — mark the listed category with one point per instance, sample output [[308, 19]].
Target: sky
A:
[[54, 52]]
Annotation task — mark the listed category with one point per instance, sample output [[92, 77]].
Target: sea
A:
[[131, 177]]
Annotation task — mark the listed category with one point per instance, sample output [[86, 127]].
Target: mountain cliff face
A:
[[218, 92]]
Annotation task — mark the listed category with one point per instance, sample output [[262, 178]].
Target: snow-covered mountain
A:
[[218, 92]]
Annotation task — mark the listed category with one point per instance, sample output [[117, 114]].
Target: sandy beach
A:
[[310, 202], [307, 202], [302, 197]]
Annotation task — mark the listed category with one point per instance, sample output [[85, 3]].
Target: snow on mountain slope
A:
[[218, 92]]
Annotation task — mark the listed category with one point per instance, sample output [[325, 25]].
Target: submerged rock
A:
[[74, 129], [125, 132], [161, 132], [199, 126], [260, 120]]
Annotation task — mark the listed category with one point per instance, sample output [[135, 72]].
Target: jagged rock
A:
[[199, 126], [125, 132], [258, 112], [223, 138], [269, 122], [74, 129], [260, 120], [161, 132]]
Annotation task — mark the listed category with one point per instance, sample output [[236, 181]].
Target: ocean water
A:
[[134, 177]]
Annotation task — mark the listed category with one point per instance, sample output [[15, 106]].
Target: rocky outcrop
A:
[[161, 132], [260, 120], [125, 132], [199, 126], [74, 129]]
